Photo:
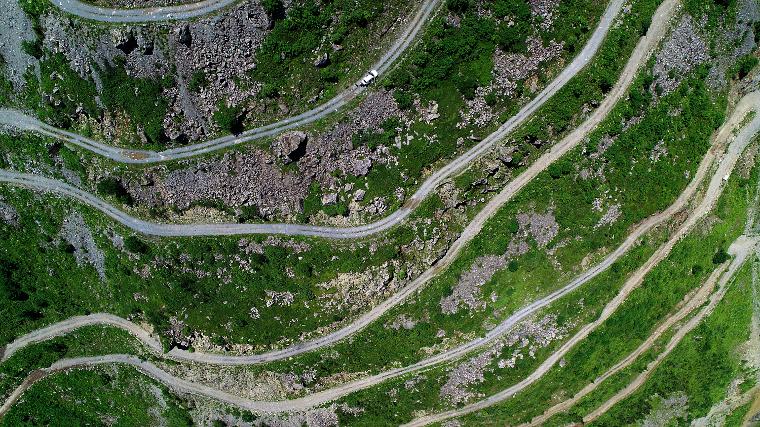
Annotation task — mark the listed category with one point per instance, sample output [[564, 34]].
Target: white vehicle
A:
[[369, 78]]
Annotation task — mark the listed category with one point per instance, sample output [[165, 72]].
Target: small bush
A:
[[720, 257], [135, 245], [112, 187]]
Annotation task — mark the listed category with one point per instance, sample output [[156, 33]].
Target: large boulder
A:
[[185, 37], [290, 146], [322, 61]]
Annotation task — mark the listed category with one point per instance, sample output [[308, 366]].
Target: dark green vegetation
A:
[[312, 29], [141, 99], [87, 341], [98, 396], [736, 417], [69, 92]]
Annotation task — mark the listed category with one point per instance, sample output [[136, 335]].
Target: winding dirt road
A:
[[149, 14], [18, 120], [428, 186], [645, 46], [726, 163], [740, 249]]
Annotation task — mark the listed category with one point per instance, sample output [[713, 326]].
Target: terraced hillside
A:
[[539, 212]]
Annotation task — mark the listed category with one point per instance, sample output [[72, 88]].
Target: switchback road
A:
[[428, 186]]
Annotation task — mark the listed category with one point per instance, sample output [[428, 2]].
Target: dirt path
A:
[[657, 30], [260, 406], [148, 14], [36, 182], [691, 302], [16, 119], [726, 164], [741, 249], [304, 403]]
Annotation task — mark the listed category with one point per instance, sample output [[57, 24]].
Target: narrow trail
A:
[[398, 216], [691, 303], [657, 29], [726, 163], [741, 249]]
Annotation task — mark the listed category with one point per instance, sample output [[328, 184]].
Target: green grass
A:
[[141, 98], [702, 365], [662, 289], [538, 272], [659, 294], [736, 417], [44, 283]]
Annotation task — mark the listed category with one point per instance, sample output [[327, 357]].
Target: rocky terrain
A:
[[207, 59], [15, 29], [681, 52], [524, 341], [81, 242], [540, 228], [255, 177]]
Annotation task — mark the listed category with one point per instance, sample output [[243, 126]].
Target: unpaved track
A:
[[148, 14], [657, 30], [16, 119], [740, 249], [741, 140], [743, 247], [714, 189], [692, 302], [428, 186]]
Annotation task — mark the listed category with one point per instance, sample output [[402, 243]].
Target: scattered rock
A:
[[667, 411], [322, 61], [612, 215], [683, 50], [282, 299], [524, 339], [236, 179], [8, 214], [542, 227], [401, 321], [82, 243], [329, 199], [16, 29]]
